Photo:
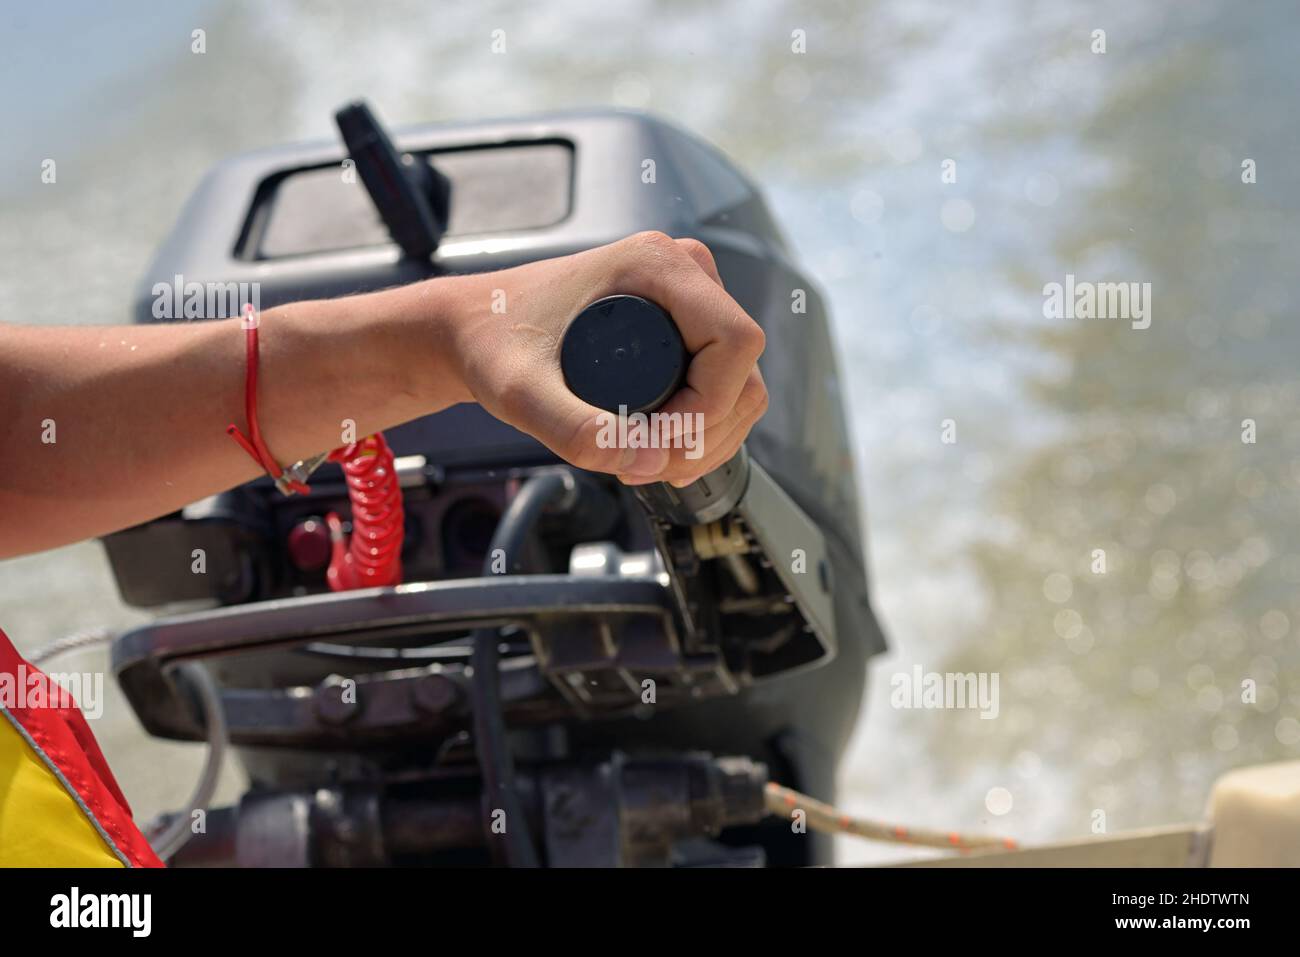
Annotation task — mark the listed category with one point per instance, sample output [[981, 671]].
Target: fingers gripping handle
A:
[[624, 354]]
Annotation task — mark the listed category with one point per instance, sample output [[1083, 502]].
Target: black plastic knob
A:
[[623, 354]]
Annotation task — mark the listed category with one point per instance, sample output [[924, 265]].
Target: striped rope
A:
[[781, 801]]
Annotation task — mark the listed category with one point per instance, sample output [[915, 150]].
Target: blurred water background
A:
[[1119, 692]]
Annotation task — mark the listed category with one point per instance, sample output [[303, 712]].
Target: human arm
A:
[[139, 413]]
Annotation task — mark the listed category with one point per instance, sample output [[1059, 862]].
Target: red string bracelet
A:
[[372, 555], [255, 447]]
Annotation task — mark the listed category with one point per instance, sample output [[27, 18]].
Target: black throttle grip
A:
[[624, 354]]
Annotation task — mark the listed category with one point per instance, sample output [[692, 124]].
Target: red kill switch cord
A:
[[373, 556]]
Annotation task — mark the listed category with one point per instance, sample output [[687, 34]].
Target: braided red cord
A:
[[373, 557]]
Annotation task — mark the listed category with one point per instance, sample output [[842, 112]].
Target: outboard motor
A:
[[573, 672]]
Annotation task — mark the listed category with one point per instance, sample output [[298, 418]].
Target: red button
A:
[[309, 545]]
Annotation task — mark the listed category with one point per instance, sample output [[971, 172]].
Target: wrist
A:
[[383, 358], [413, 330], [432, 316]]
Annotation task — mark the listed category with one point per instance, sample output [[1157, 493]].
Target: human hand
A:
[[507, 328]]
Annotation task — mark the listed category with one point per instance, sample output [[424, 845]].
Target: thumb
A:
[[588, 437]]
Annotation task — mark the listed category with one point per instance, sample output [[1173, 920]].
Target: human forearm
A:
[[105, 427]]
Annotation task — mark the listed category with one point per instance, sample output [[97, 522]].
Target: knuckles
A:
[[751, 337], [651, 241], [699, 252], [757, 400]]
